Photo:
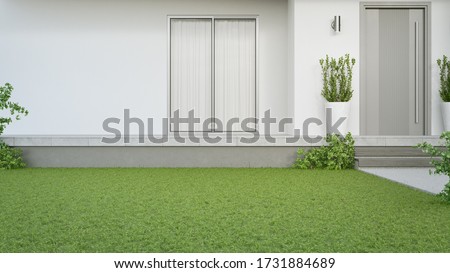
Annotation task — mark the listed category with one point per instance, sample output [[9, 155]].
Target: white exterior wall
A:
[[74, 63], [440, 45], [314, 39]]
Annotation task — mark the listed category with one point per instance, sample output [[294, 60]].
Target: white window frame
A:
[[213, 17]]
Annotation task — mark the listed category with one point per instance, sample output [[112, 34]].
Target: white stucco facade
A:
[[313, 39], [75, 63]]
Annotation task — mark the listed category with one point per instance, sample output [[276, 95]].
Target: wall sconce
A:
[[336, 24]]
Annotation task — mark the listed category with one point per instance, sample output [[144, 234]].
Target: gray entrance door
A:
[[393, 84]]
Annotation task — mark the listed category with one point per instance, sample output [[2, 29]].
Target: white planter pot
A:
[[445, 109], [338, 110]]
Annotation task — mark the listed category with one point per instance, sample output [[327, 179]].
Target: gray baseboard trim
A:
[[235, 141], [154, 157]]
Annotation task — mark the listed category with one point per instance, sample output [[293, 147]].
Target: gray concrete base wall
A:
[[104, 157], [203, 157]]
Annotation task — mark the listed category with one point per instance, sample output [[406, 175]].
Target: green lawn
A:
[[215, 210]]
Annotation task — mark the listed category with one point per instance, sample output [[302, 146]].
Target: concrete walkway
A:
[[414, 177]]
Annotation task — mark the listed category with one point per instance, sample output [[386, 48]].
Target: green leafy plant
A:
[[338, 154], [337, 77], [14, 108], [10, 158], [440, 160], [444, 75]]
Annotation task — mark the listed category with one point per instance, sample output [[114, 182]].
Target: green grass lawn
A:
[[215, 210]]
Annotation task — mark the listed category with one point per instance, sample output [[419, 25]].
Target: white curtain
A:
[[190, 65], [235, 69]]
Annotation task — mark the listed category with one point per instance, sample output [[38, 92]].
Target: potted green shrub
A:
[[444, 91], [337, 75]]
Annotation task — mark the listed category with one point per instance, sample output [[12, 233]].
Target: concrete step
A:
[[393, 161], [388, 152]]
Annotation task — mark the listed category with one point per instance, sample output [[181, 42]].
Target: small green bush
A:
[[440, 160], [444, 75], [338, 154], [337, 77], [10, 158]]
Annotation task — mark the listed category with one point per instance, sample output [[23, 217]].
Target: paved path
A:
[[414, 177]]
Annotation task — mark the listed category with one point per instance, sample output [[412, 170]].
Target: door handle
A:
[[416, 83]]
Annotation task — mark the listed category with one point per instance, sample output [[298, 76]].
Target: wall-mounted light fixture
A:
[[336, 24]]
